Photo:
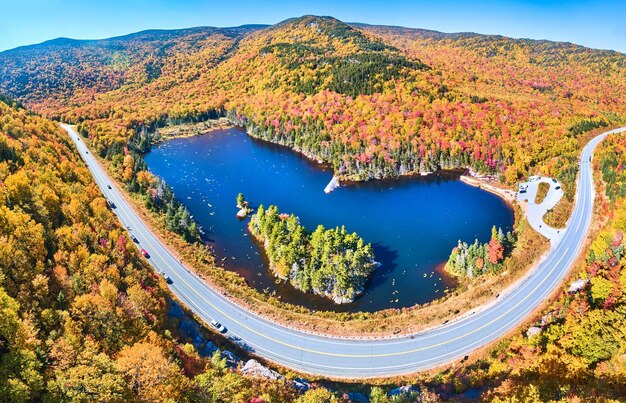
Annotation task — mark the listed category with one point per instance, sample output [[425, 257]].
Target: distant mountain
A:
[[69, 68]]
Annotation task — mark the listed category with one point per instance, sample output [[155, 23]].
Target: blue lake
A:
[[413, 223]]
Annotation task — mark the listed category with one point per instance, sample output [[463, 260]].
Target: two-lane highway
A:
[[350, 358]]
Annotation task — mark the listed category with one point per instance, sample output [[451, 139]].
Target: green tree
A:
[[318, 395], [241, 200]]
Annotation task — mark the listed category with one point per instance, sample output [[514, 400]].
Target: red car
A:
[[145, 253]]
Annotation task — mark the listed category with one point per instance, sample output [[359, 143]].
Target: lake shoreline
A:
[[366, 324], [466, 174], [485, 183], [382, 291], [188, 130]]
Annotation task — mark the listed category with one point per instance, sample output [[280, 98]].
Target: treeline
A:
[[350, 162], [611, 166], [476, 259], [329, 262], [157, 195]]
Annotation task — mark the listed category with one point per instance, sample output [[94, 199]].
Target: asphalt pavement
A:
[[536, 211]]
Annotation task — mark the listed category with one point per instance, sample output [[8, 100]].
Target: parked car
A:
[[134, 239], [145, 253], [218, 326], [555, 181], [558, 187], [111, 204]]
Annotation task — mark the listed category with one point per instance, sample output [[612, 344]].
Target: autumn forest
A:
[[83, 317]]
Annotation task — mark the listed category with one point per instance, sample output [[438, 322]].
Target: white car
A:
[[218, 326]]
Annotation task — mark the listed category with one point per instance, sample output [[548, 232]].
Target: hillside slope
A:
[[68, 71], [373, 101]]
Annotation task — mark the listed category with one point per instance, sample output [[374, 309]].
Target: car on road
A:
[[145, 253], [218, 326], [167, 278], [109, 186], [555, 181], [134, 238], [111, 204], [86, 152], [558, 187]]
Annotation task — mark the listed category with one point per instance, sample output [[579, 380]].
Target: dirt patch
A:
[[192, 129]]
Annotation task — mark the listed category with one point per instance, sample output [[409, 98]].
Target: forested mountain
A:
[[68, 71], [373, 101]]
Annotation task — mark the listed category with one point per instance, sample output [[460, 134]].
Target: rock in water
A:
[[332, 185]]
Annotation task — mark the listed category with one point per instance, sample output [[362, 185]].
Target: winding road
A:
[[365, 358]]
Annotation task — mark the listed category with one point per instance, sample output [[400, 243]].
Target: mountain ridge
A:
[[255, 26], [132, 35]]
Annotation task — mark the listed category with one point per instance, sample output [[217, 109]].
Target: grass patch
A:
[[557, 216], [542, 192]]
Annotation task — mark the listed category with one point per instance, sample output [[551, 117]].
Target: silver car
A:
[[218, 326]]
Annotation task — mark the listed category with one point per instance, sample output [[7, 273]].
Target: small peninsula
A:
[[328, 262]]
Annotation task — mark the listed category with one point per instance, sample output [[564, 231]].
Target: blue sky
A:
[[598, 24]]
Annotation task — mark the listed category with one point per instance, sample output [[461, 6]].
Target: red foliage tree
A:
[[496, 251]]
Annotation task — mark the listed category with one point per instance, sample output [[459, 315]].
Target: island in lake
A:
[[329, 262]]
